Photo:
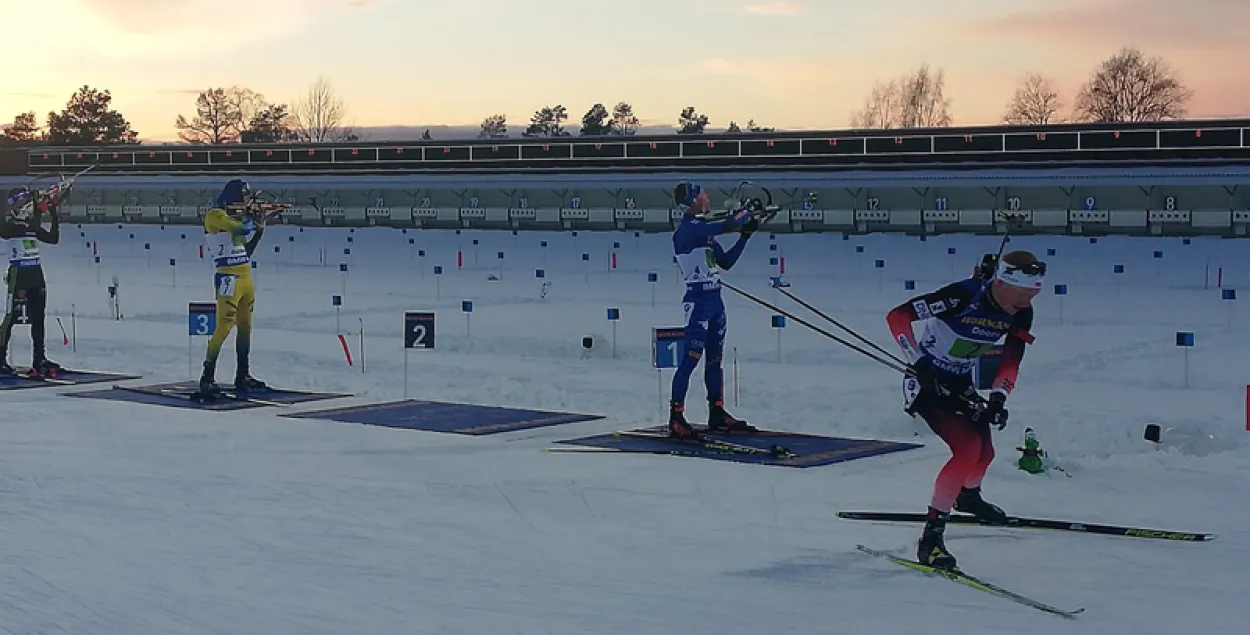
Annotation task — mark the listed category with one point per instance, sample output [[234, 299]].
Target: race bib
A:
[[967, 349], [225, 284]]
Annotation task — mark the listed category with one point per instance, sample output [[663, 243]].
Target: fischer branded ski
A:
[[974, 582], [1021, 522]]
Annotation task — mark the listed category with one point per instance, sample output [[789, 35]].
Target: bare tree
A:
[[217, 119], [1129, 87], [915, 100], [924, 99], [1036, 102], [881, 108], [320, 116], [249, 103]]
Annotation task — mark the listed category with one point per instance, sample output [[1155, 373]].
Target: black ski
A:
[[196, 396], [602, 450], [776, 451], [1019, 522]]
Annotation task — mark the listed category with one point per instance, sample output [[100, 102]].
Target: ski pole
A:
[[838, 324], [888, 363]]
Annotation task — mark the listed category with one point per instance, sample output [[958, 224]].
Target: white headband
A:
[[1017, 278]]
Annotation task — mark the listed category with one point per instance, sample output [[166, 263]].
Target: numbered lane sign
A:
[[201, 318], [418, 329], [668, 344]]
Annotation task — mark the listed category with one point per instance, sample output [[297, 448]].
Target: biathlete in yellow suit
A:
[[227, 227]]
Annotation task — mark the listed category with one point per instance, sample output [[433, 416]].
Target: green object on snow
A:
[[1032, 456]]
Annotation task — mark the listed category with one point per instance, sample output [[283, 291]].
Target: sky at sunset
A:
[[788, 63]]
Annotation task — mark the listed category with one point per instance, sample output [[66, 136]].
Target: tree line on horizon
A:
[[1125, 87]]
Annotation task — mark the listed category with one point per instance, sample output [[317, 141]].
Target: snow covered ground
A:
[[123, 518]]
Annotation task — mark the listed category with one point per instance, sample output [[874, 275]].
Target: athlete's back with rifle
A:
[[26, 292]]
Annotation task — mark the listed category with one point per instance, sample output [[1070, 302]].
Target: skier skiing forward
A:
[[227, 226], [21, 229], [701, 260], [963, 320]]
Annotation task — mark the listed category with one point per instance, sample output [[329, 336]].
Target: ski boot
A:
[[208, 389], [970, 501], [932, 549], [44, 367], [678, 427], [247, 383], [720, 421], [243, 380]]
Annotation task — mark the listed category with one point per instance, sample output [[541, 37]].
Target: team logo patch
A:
[[922, 309]]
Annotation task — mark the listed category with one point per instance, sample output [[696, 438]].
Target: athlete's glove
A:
[[749, 227], [994, 412]]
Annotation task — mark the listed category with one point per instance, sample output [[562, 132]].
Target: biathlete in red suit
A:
[[962, 321]]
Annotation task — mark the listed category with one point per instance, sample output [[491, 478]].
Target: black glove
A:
[[749, 227], [994, 412]]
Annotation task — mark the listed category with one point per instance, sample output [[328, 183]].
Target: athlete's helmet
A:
[[20, 203], [234, 193]]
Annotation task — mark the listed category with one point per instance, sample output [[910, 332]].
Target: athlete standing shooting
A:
[[701, 260], [227, 226], [962, 321], [21, 231]]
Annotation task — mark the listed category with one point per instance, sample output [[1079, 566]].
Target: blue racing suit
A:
[[701, 260]]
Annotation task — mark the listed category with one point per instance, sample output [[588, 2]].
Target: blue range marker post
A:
[[541, 276], [1117, 272], [614, 315], [475, 243], [668, 345], [438, 285], [1185, 341], [586, 263], [173, 272], [652, 278], [343, 270], [1158, 258], [543, 245], [147, 254], [499, 256], [466, 307], [951, 251], [1061, 290], [1228, 296], [201, 322], [418, 335], [336, 301], [778, 323], [909, 285], [879, 265]]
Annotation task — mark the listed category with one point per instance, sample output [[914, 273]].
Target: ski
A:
[[776, 451], [974, 582], [1020, 522], [30, 374], [194, 396]]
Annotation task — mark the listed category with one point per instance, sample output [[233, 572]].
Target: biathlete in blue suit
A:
[[701, 260]]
